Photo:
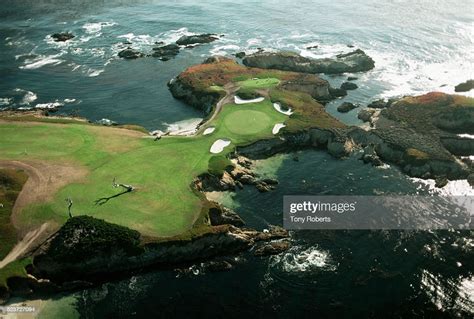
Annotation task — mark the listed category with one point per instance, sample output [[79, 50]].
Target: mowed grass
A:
[[164, 203], [258, 83]]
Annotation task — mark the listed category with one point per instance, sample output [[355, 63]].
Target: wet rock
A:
[[352, 78], [263, 187], [272, 248], [218, 265], [312, 47], [335, 92], [166, 52], [270, 181], [240, 55], [247, 179], [380, 104], [197, 39], [130, 54], [470, 180], [356, 61], [465, 86], [441, 181], [365, 115], [62, 36], [348, 86], [220, 215], [346, 107]]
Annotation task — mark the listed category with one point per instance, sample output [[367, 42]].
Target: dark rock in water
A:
[[470, 180], [263, 187], [465, 86], [312, 47], [335, 92], [346, 107], [272, 248], [356, 61], [195, 39], [129, 53], [63, 36], [240, 55], [380, 104], [349, 86], [352, 78], [350, 45], [370, 156], [218, 265], [220, 215], [166, 52], [270, 181], [365, 115], [441, 181], [296, 158]]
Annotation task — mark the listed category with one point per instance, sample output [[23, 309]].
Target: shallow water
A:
[[418, 47]]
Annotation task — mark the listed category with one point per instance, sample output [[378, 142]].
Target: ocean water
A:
[[418, 46]]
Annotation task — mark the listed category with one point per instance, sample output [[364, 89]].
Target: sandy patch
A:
[[277, 128], [209, 130], [277, 106], [219, 145], [238, 100]]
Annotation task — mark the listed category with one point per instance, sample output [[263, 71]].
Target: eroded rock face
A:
[[130, 54], [220, 215], [365, 115], [348, 86], [62, 36], [356, 61], [310, 84], [166, 52], [197, 39], [346, 107], [272, 248]]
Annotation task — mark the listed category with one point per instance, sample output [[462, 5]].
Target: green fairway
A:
[[163, 204], [258, 83]]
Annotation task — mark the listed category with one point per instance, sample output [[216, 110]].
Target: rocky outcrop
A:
[[272, 248], [130, 54], [346, 107], [197, 39], [348, 86], [62, 36], [220, 215], [310, 84], [365, 115], [465, 86], [356, 61], [166, 52]]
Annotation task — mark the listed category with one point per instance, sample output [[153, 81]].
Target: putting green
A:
[[247, 122]]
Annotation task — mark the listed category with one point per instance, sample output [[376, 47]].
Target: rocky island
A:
[[117, 199]]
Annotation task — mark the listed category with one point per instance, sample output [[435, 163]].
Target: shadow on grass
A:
[[103, 200]]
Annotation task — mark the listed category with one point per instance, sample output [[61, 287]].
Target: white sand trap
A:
[[208, 130], [182, 128], [219, 146], [277, 128], [277, 107], [238, 100]]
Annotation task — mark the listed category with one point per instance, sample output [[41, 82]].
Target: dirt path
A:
[[31, 240], [44, 180]]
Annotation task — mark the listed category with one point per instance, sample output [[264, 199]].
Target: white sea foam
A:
[[185, 127], [470, 136], [219, 145], [224, 49], [94, 73], [5, 101], [453, 188], [69, 100], [96, 27], [28, 96], [297, 259], [238, 100], [40, 61], [50, 105], [209, 130], [277, 106], [277, 128]]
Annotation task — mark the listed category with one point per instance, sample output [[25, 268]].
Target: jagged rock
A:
[[272, 248], [218, 265], [166, 52], [352, 78], [270, 181], [380, 104], [312, 47], [348, 86], [441, 181], [465, 86], [62, 36], [240, 55], [264, 187], [356, 61], [335, 92], [129, 53], [220, 215], [470, 180], [311, 84], [199, 38], [346, 107], [365, 114], [244, 162]]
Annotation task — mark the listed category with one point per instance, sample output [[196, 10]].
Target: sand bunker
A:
[[277, 128], [277, 107], [238, 100], [208, 130], [219, 146]]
